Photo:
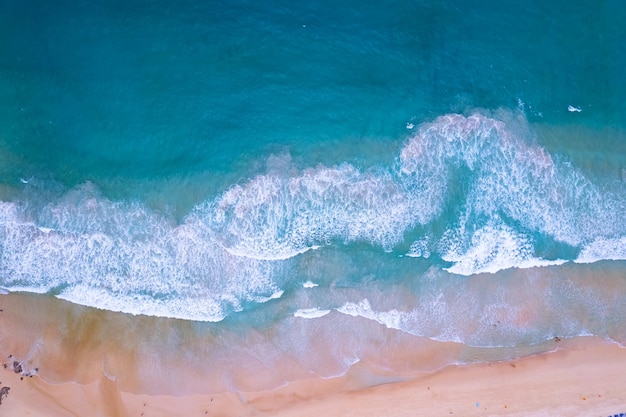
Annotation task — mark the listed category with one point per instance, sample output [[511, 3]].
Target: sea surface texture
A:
[[320, 170]]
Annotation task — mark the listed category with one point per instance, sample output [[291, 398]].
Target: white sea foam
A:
[[189, 308], [508, 176], [310, 313], [497, 190], [420, 249], [275, 296], [432, 318], [277, 218], [102, 251], [491, 249], [390, 319], [603, 249], [23, 288], [273, 217]]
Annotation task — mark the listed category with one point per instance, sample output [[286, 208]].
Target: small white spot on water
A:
[[310, 313]]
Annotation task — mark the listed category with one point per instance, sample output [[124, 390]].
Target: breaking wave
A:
[[124, 257], [497, 193]]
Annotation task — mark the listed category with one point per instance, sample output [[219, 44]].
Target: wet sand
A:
[[581, 377]]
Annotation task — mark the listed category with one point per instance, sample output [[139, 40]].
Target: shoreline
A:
[[577, 382], [93, 375]]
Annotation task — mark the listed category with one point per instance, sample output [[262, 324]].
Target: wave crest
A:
[[272, 217], [94, 251]]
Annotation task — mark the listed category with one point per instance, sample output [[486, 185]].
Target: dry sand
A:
[[583, 377]]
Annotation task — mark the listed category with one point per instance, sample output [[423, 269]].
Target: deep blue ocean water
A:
[[435, 167]]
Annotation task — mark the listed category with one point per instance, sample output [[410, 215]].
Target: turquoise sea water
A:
[[439, 168]]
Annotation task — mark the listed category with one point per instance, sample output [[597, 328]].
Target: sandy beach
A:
[[580, 377]]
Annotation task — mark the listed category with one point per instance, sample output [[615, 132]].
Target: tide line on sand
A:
[[579, 378]]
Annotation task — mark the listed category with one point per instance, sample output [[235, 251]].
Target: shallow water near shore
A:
[[143, 354], [62, 342], [313, 186]]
